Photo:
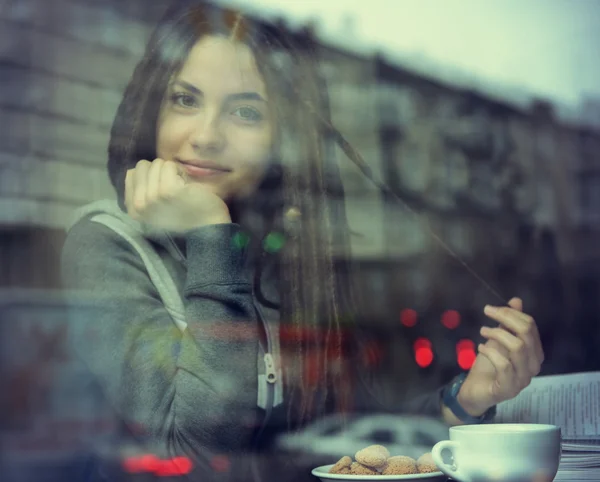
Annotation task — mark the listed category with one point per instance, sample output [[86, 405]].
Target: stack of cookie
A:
[[376, 460]]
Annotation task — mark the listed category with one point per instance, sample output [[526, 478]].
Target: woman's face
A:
[[215, 121]]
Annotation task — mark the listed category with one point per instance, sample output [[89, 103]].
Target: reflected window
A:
[[424, 439], [381, 436]]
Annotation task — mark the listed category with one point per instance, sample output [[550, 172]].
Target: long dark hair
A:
[[314, 275]]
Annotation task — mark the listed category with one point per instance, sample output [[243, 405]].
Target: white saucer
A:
[[323, 473]]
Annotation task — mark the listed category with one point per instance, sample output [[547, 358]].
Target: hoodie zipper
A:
[[270, 372]]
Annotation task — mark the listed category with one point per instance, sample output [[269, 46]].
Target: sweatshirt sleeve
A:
[[191, 393]]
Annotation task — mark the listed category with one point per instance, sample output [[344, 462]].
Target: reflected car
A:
[[331, 438]]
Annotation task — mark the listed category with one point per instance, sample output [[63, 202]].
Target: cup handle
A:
[[451, 470]]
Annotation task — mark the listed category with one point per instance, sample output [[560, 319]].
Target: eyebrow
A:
[[237, 96]]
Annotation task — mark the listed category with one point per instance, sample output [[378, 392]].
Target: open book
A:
[[572, 402]]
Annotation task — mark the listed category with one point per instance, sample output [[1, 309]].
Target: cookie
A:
[[373, 456], [400, 465], [425, 464], [344, 463], [358, 469]]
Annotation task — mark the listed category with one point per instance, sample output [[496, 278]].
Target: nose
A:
[[208, 134]]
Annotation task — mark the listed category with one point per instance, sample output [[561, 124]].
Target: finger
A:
[[497, 346], [510, 318], [526, 328], [517, 351], [181, 172], [516, 303], [531, 331], [140, 181], [153, 181], [506, 385], [523, 326], [170, 181], [129, 192]]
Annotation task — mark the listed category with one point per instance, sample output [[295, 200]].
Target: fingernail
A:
[[484, 330], [489, 309]]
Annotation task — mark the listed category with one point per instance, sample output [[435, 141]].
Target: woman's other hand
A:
[[506, 363]]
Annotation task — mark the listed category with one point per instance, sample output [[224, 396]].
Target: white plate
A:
[[323, 473]]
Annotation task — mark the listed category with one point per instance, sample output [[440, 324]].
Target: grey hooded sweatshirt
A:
[[199, 389]]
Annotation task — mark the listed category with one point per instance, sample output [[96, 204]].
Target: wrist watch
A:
[[449, 394]]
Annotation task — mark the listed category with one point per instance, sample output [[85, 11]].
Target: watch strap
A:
[[449, 397]]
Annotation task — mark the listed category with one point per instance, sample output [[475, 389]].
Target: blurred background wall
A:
[[511, 187]]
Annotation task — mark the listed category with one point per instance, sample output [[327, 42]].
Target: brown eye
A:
[[183, 100]]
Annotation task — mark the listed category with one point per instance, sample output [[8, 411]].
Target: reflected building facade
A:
[[478, 183]]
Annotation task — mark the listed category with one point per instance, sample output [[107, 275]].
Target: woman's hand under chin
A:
[[506, 363], [156, 195]]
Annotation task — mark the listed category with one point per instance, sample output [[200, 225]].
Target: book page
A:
[[571, 401]]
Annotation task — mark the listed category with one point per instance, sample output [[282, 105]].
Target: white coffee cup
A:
[[509, 452]]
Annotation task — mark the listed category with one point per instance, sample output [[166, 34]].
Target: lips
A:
[[198, 168]]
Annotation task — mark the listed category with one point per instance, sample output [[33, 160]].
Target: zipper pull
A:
[[270, 368]]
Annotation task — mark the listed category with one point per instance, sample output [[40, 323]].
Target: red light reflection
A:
[[424, 357], [408, 317], [220, 463], [465, 353], [451, 319], [423, 352], [150, 463]]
